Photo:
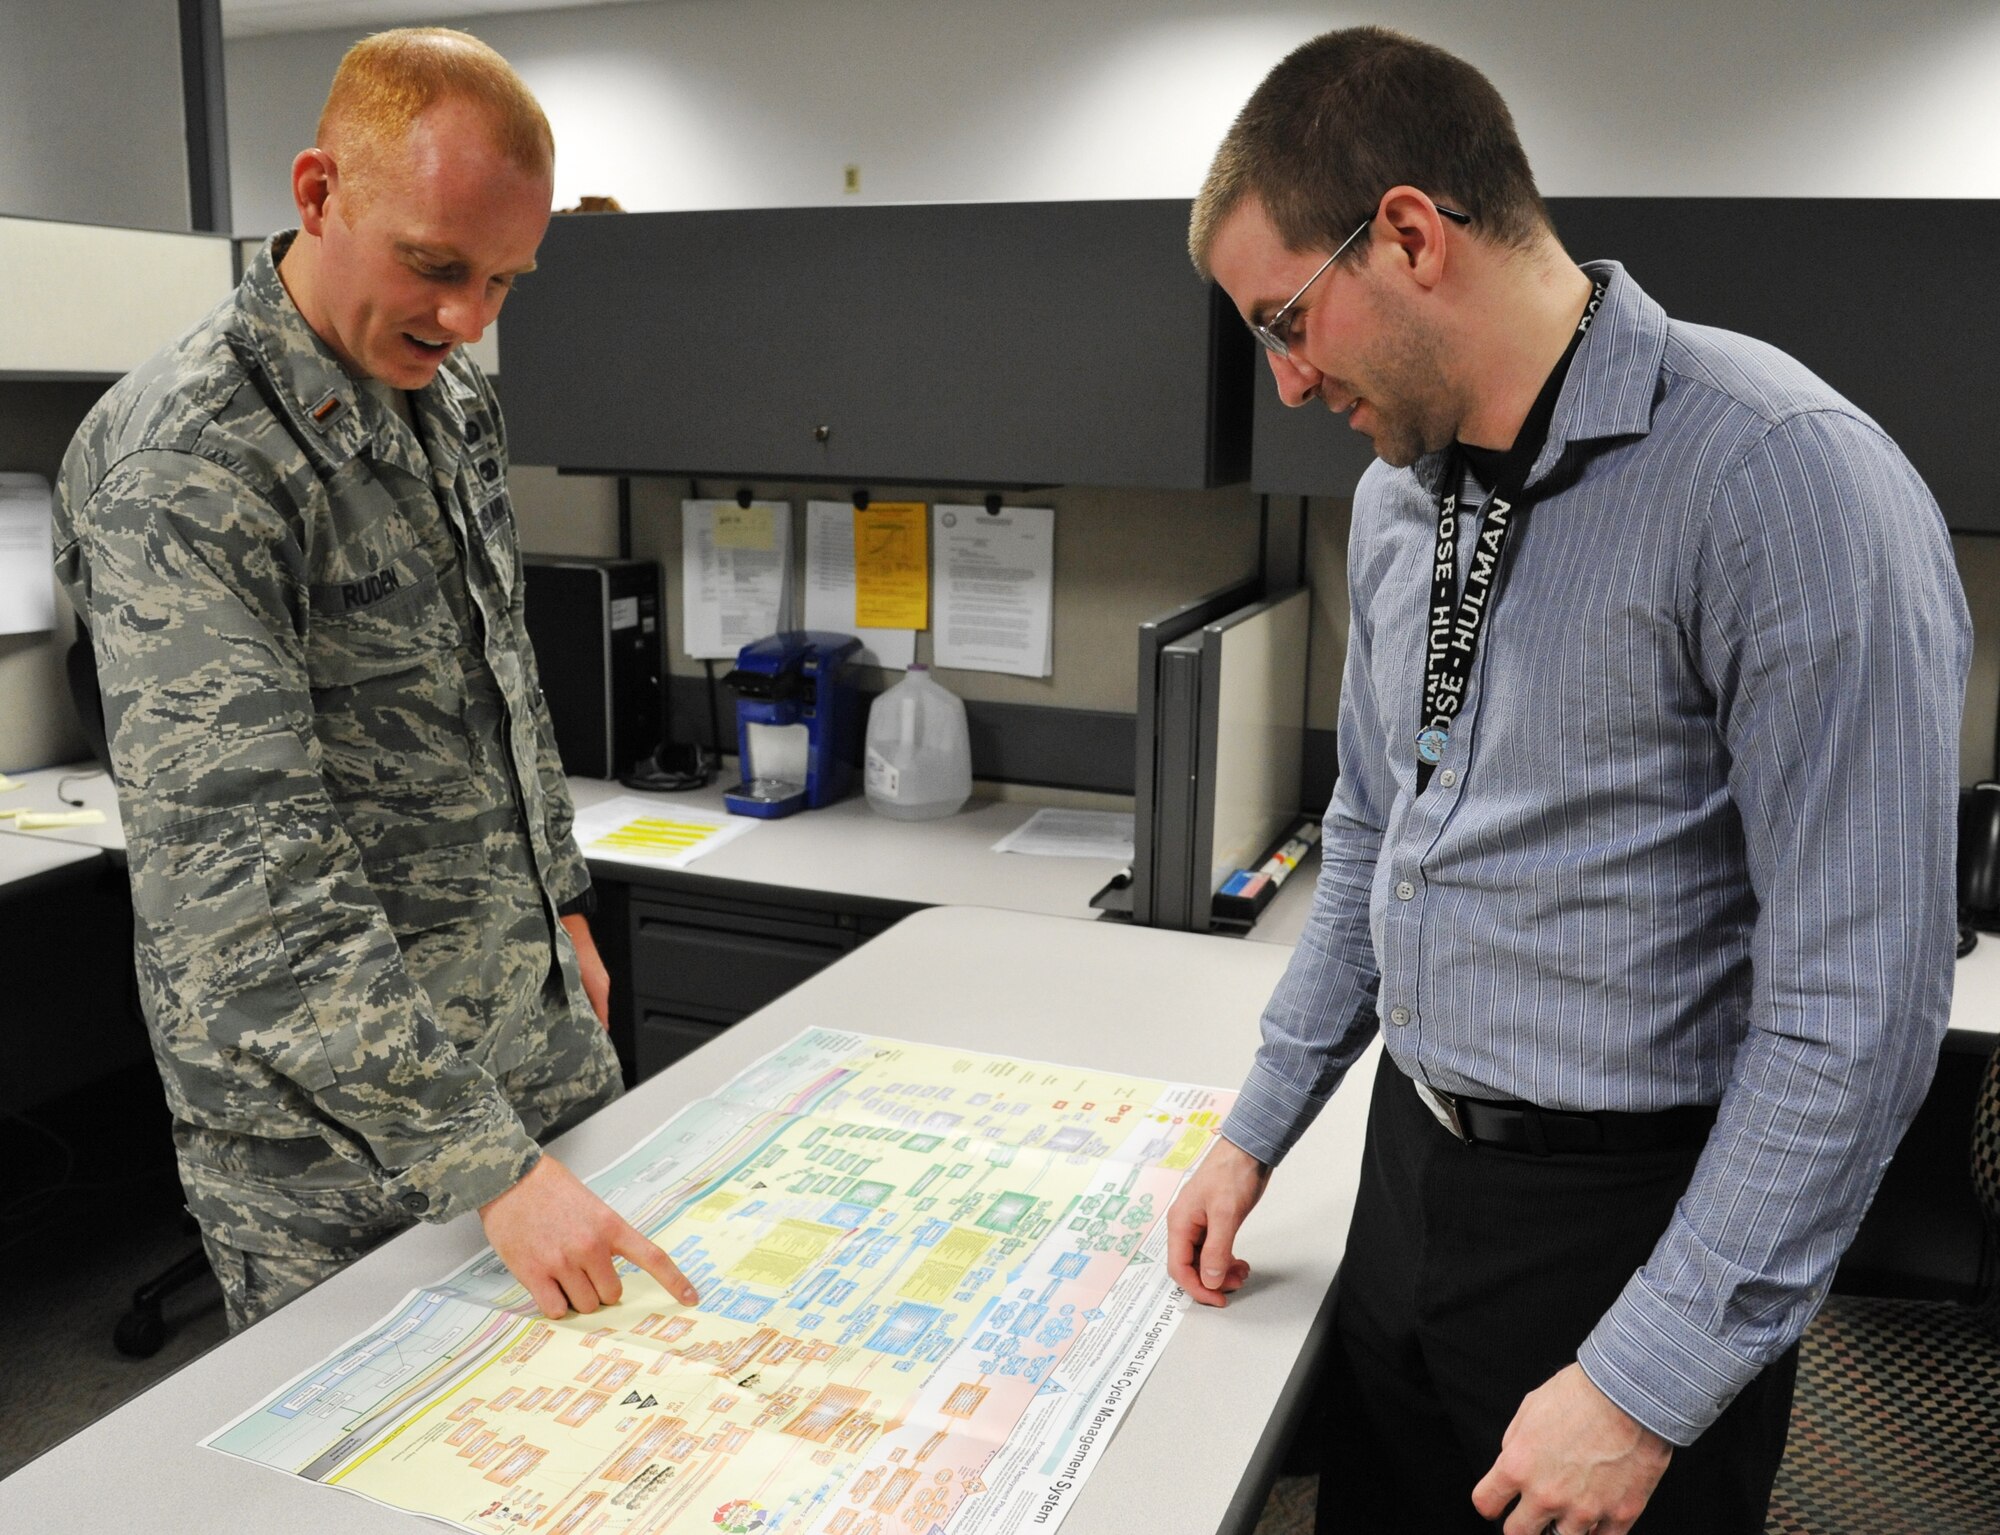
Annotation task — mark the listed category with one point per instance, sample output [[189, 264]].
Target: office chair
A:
[[1896, 1420], [142, 1331]]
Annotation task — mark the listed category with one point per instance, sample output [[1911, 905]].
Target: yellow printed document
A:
[[892, 568], [932, 1281], [656, 831]]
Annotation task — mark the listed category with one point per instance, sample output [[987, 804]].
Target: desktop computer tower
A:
[[595, 626]]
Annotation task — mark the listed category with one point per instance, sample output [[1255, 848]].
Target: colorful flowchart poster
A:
[[931, 1281]]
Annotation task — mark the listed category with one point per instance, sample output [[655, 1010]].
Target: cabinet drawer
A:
[[664, 1037], [732, 972]]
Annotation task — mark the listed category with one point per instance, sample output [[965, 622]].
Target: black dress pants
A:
[[1472, 1275]]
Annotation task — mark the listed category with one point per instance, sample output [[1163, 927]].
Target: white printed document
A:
[[994, 588], [1072, 834], [830, 588], [736, 570], [27, 569]]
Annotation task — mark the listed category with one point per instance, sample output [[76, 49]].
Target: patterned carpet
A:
[[1290, 1508], [1896, 1426]]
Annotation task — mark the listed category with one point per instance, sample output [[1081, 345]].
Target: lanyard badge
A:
[[1457, 619]]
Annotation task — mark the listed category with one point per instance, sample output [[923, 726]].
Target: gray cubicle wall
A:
[[956, 344], [1889, 300]]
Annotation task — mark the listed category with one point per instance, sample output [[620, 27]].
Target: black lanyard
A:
[[1456, 621]]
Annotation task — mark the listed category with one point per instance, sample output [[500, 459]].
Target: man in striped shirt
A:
[[1640, 860]]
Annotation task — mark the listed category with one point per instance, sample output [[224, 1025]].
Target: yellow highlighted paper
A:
[[746, 527], [892, 572], [668, 835], [663, 832]]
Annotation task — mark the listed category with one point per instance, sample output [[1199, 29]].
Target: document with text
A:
[[735, 575], [995, 589], [27, 574], [830, 588]]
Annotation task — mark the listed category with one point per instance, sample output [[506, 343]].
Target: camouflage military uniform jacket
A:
[[348, 829]]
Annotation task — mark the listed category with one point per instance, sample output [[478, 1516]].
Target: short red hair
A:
[[390, 79]]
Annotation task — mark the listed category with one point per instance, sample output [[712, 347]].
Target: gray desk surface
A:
[[847, 849], [1198, 1446], [24, 855], [1975, 995]]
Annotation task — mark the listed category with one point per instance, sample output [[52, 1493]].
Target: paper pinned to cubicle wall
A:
[[830, 588], [27, 568], [735, 575], [892, 568], [995, 589]]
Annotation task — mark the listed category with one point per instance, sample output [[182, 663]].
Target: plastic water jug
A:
[[919, 764]]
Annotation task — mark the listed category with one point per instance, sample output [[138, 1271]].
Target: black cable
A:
[[62, 783]]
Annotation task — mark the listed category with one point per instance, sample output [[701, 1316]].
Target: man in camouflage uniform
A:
[[360, 933]]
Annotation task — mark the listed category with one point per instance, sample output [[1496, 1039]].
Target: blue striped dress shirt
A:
[[1692, 839]]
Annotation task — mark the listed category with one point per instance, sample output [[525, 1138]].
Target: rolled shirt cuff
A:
[[1666, 1373], [472, 1167], [1270, 1114]]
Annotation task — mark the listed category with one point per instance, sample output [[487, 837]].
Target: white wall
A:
[[90, 132], [760, 103], [90, 112]]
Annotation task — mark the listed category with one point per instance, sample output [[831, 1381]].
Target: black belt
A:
[[1517, 1126]]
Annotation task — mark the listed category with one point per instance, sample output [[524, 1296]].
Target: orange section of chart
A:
[[655, 831]]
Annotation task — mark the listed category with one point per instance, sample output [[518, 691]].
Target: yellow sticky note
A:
[[745, 527], [892, 568]]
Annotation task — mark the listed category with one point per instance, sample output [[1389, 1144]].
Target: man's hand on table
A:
[[1576, 1461], [1204, 1220], [561, 1241], [596, 979]]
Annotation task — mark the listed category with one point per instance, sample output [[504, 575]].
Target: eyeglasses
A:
[[1272, 331]]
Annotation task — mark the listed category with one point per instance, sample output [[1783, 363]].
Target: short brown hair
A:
[[390, 79], [1352, 113]]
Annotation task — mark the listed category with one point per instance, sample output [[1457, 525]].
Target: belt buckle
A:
[[1444, 1109]]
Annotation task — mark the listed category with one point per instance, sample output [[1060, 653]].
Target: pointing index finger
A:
[[653, 1259]]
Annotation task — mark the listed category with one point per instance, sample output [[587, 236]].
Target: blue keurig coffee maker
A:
[[797, 714]]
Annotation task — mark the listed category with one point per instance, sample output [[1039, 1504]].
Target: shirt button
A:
[[1405, 891], [1447, 778], [1399, 1016], [416, 1201]]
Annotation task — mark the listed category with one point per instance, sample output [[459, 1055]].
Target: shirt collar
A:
[[326, 402], [1613, 381]]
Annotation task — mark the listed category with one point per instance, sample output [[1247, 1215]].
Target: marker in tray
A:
[[1243, 895]]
